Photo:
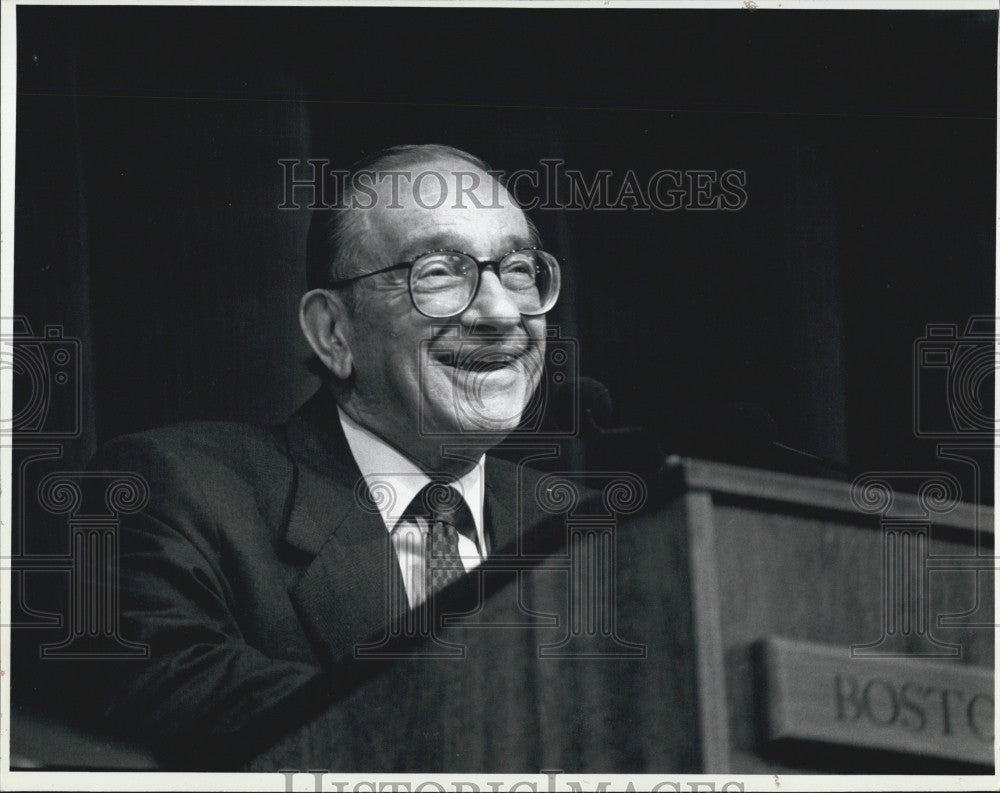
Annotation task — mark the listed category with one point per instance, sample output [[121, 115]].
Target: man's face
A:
[[418, 378]]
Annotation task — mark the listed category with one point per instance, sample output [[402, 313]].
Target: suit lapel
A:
[[351, 586], [510, 503], [343, 595]]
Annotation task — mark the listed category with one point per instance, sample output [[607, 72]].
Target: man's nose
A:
[[493, 309]]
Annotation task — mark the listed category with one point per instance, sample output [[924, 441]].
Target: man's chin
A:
[[482, 423], [495, 405], [483, 403], [487, 417]]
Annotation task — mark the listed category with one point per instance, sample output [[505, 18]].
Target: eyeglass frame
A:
[[481, 264]]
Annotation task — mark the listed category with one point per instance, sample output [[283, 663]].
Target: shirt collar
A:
[[394, 480]]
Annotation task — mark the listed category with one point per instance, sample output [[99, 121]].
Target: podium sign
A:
[[817, 693]]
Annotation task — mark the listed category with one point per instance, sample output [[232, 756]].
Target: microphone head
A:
[[748, 423], [579, 397], [595, 399]]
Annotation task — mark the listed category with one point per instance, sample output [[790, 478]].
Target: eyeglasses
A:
[[445, 283]]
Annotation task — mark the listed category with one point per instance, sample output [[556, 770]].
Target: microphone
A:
[[581, 403], [585, 403], [751, 425], [740, 433], [586, 399]]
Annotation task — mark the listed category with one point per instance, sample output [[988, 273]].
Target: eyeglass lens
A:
[[443, 283]]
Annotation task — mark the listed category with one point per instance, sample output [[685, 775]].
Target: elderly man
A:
[[265, 556]]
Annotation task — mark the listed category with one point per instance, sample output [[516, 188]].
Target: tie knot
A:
[[439, 502]]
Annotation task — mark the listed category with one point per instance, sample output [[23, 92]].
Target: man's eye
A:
[[436, 270], [521, 268], [519, 272], [520, 262], [439, 278], [440, 267]]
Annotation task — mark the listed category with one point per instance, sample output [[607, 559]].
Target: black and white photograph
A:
[[498, 396]]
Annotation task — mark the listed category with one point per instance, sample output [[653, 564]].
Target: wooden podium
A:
[[724, 620]]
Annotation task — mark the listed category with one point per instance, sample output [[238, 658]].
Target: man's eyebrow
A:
[[429, 243], [434, 242], [516, 241]]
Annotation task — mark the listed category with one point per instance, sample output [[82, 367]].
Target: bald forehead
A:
[[446, 203], [441, 182]]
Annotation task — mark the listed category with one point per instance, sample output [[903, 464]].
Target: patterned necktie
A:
[[447, 515]]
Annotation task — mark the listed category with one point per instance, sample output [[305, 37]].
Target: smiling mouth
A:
[[485, 361]]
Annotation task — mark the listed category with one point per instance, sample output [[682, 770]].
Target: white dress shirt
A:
[[394, 481]]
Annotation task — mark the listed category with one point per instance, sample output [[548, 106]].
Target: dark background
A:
[[148, 228], [148, 183]]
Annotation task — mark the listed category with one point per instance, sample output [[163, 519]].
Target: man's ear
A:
[[324, 317]]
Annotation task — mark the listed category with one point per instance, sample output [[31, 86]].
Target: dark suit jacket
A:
[[250, 573]]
